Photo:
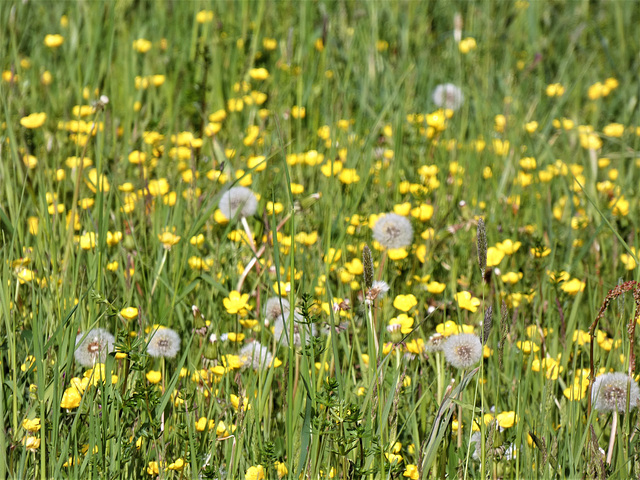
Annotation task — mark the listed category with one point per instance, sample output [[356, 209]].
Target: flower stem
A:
[[612, 440], [155, 280]]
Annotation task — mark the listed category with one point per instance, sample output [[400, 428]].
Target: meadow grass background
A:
[[345, 123]]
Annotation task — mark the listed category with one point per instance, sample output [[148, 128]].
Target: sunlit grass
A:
[[253, 337]]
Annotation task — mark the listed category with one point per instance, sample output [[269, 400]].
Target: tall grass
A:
[[347, 130]]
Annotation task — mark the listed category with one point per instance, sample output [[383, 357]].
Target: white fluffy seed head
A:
[[255, 355], [239, 201], [282, 332], [164, 342], [94, 348], [609, 392], [275, 307], [462, 351], [448, 95], [393, 231]]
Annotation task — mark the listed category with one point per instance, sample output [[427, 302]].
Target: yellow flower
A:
[[269, 43], [53, 41], [141, 45], [178, 465], [511, 277], [154, 376], [613, 130], [573, 286], [259, 73], [619, 206], [466, 45], [628, 259], [129, 313], [255, 473], [281, 469], [448, 328], [555, 90], [422, 212], [527, 346], [494, 256], [71, 398], [436, 287], [31, 443], [411, 471], [349, 176], [235, 302], [298, 112], [35, 120], [235, 401], [405, 302], [415, 346], [168, 239], [508, 247], [97, 182], [575, 392], [204, 16], [32, 425], [466, 301], [404, 321], [397, 253], [540, 252], [153, 468], [507, 419], [30, 161], [551, 365]]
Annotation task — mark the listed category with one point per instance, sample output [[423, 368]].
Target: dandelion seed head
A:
[[239, 201], [609, 392], [281, 330], [378, 289], [393, 231], [448, 95], [164, 342], [475, 442], [275, 307], [463, 350], [94, 348], [434, 344], [255, 355]]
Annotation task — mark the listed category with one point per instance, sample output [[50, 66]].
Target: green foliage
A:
[[120, 139]]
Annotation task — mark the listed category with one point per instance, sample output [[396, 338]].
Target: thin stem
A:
[[155, 280], [612, 440]]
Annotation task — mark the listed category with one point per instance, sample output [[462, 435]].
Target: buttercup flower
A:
[[235, 302], [93, 347], [34, 120], [164, 342], [609, 392], [463, 350], [405, 302], [393, 231], [449, 96], [466, 301], [238, 201]]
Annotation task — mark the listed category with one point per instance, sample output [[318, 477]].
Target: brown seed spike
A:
[[367, 262], [481, 244], [486, 324]]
